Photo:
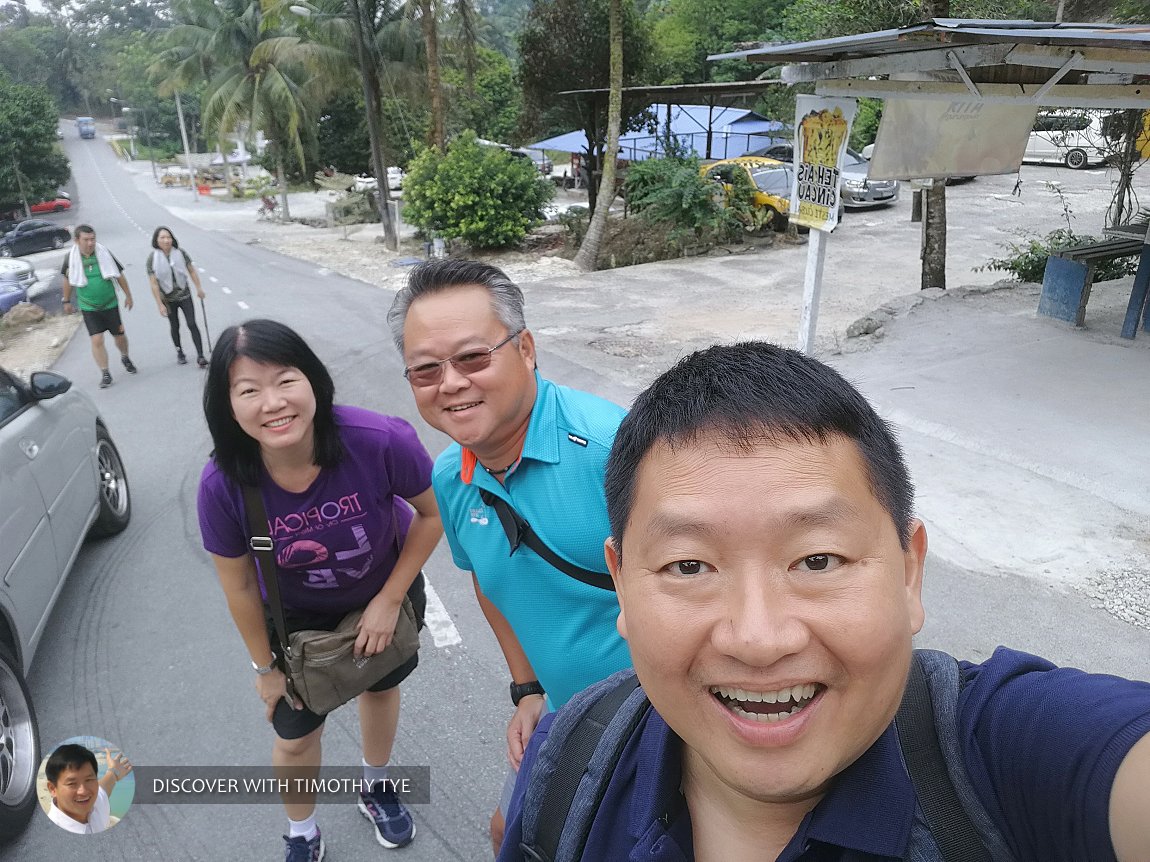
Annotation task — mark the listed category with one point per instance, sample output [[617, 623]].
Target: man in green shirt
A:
[[91, 270]]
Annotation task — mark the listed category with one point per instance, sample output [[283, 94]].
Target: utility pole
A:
[[20, 186], [187, 151]]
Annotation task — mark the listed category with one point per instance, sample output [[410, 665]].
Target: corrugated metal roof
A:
[[734, 131], [944, 31]]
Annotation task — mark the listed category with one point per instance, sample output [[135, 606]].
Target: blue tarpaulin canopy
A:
[[730, 132]]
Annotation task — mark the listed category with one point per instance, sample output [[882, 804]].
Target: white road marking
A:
[[226, 289], [323, 270], [438, 621], [243, 305], [212, 278]]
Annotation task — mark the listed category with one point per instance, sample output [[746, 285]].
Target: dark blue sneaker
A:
[[393, 824], [301, 850]]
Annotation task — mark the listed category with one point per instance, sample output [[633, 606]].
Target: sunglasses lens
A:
[[425, 375], [471, 363]]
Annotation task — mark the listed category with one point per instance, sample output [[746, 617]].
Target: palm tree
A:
[[588, 252], [257, 72], [463, 12]]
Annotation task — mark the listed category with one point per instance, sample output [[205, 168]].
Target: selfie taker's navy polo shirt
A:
[[1042, 745]]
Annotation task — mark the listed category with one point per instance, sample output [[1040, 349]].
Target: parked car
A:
[[19, 271], [1071, 138], [867, 153], [57, 205], [395, 178], [11, 293], [536, 157], [856, 189], [772, 179], [33, 235], [61, 481]]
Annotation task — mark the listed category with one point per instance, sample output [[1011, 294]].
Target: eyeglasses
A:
[[466, 363]]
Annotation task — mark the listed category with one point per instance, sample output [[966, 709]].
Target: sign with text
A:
[[822, 128], [923, 138]]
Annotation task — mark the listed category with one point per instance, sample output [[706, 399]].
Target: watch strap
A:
[[522, 690]]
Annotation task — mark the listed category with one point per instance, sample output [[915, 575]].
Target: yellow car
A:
[[771, 178]]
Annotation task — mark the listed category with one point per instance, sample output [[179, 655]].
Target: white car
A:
[[19, 271], [394, 178], [1071, 138], [61, 481]]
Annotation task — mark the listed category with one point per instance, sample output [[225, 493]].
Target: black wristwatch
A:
[[518, 692]]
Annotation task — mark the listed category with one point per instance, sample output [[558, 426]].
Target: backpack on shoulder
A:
[[574, 767]]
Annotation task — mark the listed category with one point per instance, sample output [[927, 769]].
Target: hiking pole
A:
[[207, 332]]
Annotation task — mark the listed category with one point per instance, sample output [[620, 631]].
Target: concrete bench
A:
[[1070, 275]]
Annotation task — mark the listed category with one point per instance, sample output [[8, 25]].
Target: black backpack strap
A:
[[599, 735], [951, 827], [518, 531]]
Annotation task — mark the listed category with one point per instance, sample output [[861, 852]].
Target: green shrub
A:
[[1026, 260], [671, 191], [476, 193]]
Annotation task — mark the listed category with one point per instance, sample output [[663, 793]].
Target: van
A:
[[86, 126], [1072, 138]]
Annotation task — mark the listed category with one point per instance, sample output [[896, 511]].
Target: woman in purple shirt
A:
[[334, 481]]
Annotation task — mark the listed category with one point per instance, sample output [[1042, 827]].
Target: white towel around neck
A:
[[171, 272], [76, 274]]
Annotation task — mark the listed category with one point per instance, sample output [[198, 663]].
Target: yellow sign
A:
[[822, 127]]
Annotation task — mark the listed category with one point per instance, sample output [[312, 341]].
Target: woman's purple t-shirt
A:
[[336, 542]]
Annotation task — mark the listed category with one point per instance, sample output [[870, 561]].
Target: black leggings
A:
[[189, 310]]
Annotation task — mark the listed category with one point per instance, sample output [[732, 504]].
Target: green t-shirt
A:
[[99, 294]]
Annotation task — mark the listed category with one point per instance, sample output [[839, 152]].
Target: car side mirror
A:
[[48, 384]]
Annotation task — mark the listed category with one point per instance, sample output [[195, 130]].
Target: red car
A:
[[56, 205]]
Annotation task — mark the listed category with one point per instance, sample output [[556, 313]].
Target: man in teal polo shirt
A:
[[91, 270], [542, 448]]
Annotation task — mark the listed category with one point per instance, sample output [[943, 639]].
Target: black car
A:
[[33, 235]]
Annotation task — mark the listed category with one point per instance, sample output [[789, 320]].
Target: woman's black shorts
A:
[[296, 723]]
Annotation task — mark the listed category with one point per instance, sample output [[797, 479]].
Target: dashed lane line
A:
[[438, 621]]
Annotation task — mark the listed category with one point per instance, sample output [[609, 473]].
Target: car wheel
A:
[[19, 749], [115, 499], [58, 208], [58, 242], [1077, 159]]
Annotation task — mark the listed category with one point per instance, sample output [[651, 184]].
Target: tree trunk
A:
[[369, 77], [589, 250], [1121, 207], [934, 236], [282, 180], [934, 219], [431, 43]]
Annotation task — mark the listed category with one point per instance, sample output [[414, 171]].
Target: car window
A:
[[773, 181], [12, 397]]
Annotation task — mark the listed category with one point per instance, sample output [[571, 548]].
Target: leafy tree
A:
[[491, 104], [685, 32], [578, 59], [32, 167], [821, 19], [475, 193]]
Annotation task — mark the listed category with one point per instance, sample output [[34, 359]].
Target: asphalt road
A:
[[141, 650]]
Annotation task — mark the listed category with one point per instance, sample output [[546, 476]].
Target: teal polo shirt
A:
[[566, 628]]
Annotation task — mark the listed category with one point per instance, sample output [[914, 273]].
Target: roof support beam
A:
[[1128, 61], [887, 64], [955, 62], [1058, 96], [1074, 60]]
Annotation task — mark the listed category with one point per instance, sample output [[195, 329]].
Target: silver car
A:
[[856, 188], [61, 481]]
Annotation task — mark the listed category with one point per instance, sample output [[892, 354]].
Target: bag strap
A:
[[518, 531], [949, 823], [263, 549], [577, 748]]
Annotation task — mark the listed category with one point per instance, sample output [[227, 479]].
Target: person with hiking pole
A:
[[172, 276]]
